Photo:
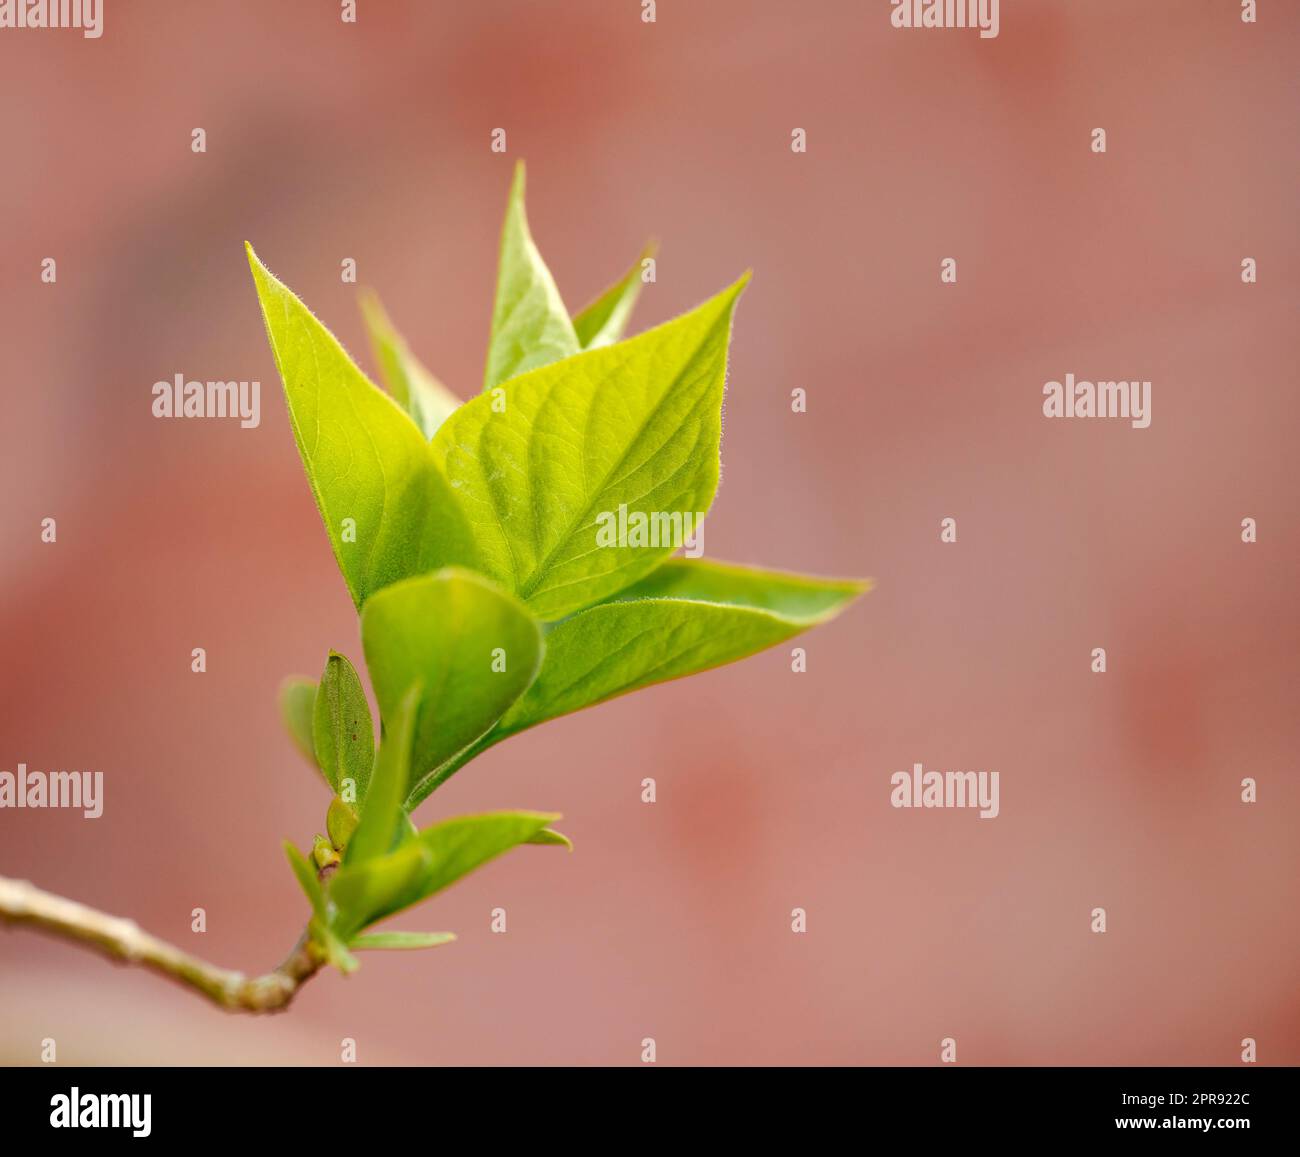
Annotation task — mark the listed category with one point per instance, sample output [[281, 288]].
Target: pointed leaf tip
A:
[[604, 320], [549, 836], [530, 324], [387, 508], [540, 472], [687, 616], [413, 387]]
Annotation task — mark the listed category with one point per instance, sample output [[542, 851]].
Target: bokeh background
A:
[[371, 141]]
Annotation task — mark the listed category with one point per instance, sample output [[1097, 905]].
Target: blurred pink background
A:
[[371, 141]]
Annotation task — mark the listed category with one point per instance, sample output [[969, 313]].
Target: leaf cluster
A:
[[467, 535]]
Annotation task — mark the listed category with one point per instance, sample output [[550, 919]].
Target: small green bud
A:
[[324, 854], [340, 821]]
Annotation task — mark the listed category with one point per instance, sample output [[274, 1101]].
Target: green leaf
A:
[[382, 814], [344, 734], [297, 700], [635, 424], [803, 600], [401, 940], [452, 631], [688, 616], [416, 390], [366, 892], [605, 319], [530, 326], [552, 837], [438, 857], [457, 846], [307, 879], [387, 508]]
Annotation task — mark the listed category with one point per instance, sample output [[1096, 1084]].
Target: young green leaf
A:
[[387, 508], [344, 734], [605, 319], [307, 879], [381, 817], [400, 940], [438, 857], [297, 701], [803, 600], [457, 846], [416, 390], [530, 326], [473, 648], [688, 616], [366, 892], [635, 424]]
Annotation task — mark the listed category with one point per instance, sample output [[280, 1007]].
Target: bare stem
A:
[[125, 941]]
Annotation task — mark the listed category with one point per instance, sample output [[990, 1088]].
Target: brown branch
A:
[[124, 940]]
